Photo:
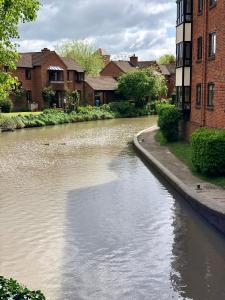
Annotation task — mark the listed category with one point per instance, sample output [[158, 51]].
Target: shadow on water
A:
[[133, 237]]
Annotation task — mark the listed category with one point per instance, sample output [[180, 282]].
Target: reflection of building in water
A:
[[198, 257]]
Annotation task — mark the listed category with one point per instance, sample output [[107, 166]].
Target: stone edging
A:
[[211, 212]]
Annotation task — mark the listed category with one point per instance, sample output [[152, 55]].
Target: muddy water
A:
[[81, 217]]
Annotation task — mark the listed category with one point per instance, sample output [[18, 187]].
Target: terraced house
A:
[[200, 64], [37, 70]]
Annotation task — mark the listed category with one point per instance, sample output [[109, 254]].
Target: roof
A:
[[147, 64], [35, 59], [124, 65], [72, 65], [168, 69], [102, 83]]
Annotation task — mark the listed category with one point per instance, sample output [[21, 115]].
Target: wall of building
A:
[[209, 70], [111, 70]]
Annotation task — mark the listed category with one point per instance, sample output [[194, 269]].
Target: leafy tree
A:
[[140, 85], [84, 53], [11, 14], [48, 95], [166, 59], [72, 99]]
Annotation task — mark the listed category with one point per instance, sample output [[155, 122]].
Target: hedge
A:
[[168, 121], [11, 289], [208, 151]]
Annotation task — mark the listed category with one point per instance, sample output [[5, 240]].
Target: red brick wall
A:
[[212, 20]]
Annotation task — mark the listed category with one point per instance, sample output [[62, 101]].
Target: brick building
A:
[[120, 67], [200, 73], [37, 70]]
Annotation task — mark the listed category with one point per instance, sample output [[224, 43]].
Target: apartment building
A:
[[200, 63]]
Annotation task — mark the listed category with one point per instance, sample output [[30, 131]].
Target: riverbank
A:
[[209, 200], [10, 122]]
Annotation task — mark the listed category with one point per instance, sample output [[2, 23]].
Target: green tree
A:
[[12, 13], [48, 95], [166, 59], [140, 85], [84, 53], [72, 100]]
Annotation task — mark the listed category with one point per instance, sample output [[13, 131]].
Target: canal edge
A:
[[211, 213]]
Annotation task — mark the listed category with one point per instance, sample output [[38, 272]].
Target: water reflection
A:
[[83, 218]]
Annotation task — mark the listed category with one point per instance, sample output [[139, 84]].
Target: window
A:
[[200, 6], [198, 94], [212, 44], [183, 54], [28, 74], [79, 76], [211, 89], [184, 11], [199, 48], [184, 97], [212, 3], [29, 96], [6, 69], [56, 75]]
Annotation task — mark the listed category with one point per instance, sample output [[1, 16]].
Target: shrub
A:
[[6, 105], [11, 289], [208, 151], [168, 121], [7, 123]]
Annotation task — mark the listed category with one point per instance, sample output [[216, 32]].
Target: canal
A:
[[82, 217]]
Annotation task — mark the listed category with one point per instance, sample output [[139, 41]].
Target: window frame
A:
[[28, 74], [199, 48], [212, 3], [198, 100], [210, 94], [200, 7], [212, 44], [29, 96]]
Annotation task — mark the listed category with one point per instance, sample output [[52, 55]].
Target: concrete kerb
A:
[[209, 211]]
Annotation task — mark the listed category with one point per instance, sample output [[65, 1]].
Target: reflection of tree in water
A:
[[198, 257]]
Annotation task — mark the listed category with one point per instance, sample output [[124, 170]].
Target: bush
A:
[[208, 151], [11, 289], [6, 105], [7, 123], [168, 121]]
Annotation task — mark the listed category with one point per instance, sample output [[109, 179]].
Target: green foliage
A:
[[48, 95], [73, 100], [11, 289], [140, 85], [85, 53], [166, 59], [12, 13], [168, 121], [208, 151], [6, 105]]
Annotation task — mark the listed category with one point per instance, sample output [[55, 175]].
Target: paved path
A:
[[210, 195]]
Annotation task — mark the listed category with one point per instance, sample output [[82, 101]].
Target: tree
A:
[[72, 100], [140, 85], [84, 53], [166, 59], [48, 95], [11, 14]]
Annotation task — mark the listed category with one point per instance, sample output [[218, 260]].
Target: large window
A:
[[212, 44], [184, 97], [56, 76], [210, 98], [183, 54], [184, 11], [198, 94], [200, 7], [199, 48], [79, 76]]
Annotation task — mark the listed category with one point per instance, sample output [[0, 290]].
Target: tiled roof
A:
[[147, 64], [168, 69], [72, 65], [124, 65], [102, 83], [34, 59]]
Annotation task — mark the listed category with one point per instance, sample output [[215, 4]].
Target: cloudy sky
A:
[[121, 27]]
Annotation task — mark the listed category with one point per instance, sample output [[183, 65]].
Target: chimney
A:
[[134, 60], [106, 59], [45, 50]]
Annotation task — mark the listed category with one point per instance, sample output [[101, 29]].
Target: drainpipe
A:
[[205, 64]]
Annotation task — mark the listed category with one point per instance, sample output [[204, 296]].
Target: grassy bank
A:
[[13, 121], [14, 114], [182, 151]]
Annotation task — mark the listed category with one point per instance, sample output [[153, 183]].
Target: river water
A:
[[82, 217]]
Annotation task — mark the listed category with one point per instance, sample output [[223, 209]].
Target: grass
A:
[[14, 114], [182, 150]]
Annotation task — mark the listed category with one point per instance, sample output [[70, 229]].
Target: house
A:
[[200, 73], [117, 68], [100, 90], [36, 70]]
